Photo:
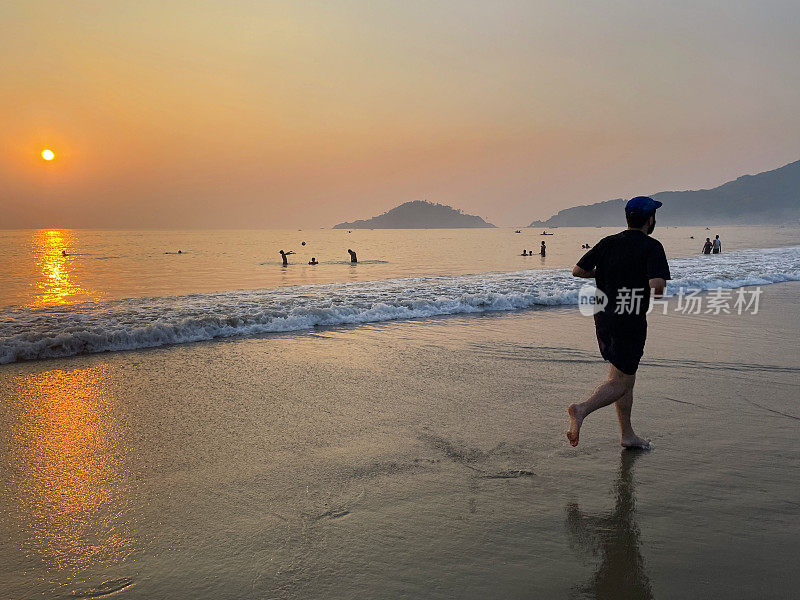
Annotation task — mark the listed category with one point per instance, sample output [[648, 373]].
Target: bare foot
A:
[[634, 442], [575, 421]]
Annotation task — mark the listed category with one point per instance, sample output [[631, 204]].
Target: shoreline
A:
[[402, 313], [423, 457]]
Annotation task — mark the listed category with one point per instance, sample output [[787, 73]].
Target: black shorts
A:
[[621, 341]]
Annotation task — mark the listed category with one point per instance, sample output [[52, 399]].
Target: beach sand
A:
[[416, 459]]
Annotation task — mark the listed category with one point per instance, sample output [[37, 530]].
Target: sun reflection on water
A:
[[65, 465], [57, 283]]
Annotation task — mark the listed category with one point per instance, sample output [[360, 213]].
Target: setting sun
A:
[[48, 154]]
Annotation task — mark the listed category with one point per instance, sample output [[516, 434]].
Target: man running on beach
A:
[[626, 266]]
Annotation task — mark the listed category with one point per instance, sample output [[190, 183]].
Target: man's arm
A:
[[657, 269], [587, 265], [658, 285]]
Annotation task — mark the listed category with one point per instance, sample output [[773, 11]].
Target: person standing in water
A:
[[353, 257], [716, 246], [543, 250], [284, 255], [313, 261], [707, 246], [626, 267]]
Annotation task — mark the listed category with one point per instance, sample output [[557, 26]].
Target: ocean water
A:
[[129, 290], [392, 429]]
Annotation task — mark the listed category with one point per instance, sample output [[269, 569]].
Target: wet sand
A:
[[418, 459]]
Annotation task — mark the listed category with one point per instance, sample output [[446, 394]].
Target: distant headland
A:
[[418, 214], [772, 197]]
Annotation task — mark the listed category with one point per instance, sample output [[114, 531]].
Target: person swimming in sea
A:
[[716, 246], [707, 246], [63, 253], [313, 261], [543, 250], [524, 253], [353, 257], [284, 255]]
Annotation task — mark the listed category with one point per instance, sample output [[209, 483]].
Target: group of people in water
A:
[[712, 247], [314, 261], [709, 247], [542, 251]]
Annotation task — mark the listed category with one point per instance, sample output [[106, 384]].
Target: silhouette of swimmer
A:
[[524, 253], [63, 253], [543, 251], [179, 252], [613, 537], [313, 261], [353, 257], [707, 246], [284, 255]]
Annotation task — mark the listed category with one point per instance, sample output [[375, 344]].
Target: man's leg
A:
[[629, 439], [615, 387]]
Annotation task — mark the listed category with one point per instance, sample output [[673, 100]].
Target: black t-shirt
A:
[[624, 264]]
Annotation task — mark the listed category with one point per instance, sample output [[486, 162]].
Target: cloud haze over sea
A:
[[284, 114]]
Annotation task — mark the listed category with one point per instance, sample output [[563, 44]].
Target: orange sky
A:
[[304, 114]]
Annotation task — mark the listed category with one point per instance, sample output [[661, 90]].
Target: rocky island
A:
[[418, 214]]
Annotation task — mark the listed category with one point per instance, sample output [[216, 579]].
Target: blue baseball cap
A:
[[642, 204]]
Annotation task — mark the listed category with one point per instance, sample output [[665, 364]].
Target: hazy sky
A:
[[303, 114]]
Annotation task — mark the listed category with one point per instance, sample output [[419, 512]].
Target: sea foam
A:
[[127, 324]]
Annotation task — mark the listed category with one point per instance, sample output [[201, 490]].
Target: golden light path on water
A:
[[57, 283], [66, 466]]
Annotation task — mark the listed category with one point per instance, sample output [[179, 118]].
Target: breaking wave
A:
[[28, 334]]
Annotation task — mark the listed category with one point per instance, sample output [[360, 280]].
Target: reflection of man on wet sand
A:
[[614, 538]]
